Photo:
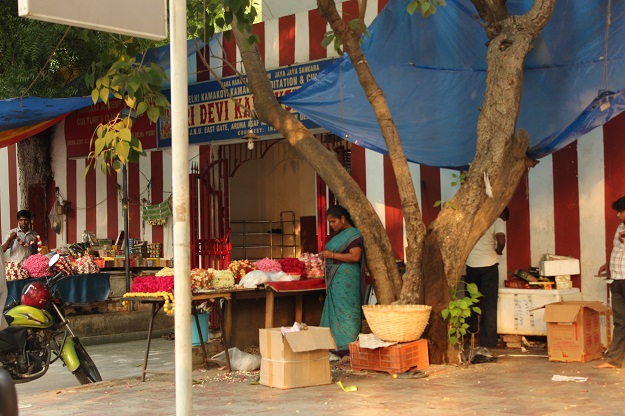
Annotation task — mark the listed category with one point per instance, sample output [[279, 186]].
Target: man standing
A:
[[22, 241], [615, 269], [483, 270]]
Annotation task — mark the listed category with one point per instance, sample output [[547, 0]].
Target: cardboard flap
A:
[[313, 338], [567, 311], [561, 312]]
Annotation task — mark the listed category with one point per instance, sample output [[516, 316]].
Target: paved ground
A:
[[517, 384]]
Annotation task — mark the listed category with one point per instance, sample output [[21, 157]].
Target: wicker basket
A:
[[397, 323]]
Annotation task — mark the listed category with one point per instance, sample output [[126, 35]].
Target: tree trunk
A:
[[500, 154], [34, 162], [379, 254]]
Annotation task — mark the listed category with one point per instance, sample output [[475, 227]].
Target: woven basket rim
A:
[[397, 307]]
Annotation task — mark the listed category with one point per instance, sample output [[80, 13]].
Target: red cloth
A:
[[298, 285]]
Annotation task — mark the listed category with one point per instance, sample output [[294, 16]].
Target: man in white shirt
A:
[[483, 270], [22, 242], [615, 269]]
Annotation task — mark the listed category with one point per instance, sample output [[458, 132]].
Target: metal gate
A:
[[210, 216]]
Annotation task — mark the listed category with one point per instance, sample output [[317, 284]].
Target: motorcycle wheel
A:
[[87, 372]]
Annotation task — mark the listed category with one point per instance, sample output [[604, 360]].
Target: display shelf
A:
[[256, 239]]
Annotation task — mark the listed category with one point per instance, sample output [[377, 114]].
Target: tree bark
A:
[[379, 254], [34, 162]]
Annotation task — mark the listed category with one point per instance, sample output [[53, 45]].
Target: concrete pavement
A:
[[518, 383]]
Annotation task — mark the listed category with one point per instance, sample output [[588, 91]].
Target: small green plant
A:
[[458, 310]]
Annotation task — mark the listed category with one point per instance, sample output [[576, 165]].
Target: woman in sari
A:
[[344, 255]]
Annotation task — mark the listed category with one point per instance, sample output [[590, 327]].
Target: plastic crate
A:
[[395, 359]]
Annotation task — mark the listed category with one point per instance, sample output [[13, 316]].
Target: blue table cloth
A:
[[79, 288]]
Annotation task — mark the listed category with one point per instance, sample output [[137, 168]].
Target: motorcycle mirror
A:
[[54, 259]]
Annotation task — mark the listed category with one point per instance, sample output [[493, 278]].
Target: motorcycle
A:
[[39, 335]]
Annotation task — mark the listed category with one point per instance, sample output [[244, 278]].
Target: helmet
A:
[[36, 294]]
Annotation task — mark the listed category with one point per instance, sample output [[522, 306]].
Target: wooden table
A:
[[158, 302], [284, 288]]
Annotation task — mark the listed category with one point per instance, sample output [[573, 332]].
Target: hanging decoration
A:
[[156, 214]]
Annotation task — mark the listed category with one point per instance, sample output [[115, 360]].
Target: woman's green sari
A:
[[342, 311]]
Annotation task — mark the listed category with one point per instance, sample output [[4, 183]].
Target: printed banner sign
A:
[[214, 115], [81, 125]]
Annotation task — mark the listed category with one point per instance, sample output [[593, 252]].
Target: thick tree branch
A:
[[415, 228]]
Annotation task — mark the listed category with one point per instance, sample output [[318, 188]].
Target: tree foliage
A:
[[45, 59]]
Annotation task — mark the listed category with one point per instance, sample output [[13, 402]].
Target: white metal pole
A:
[[180, 190]]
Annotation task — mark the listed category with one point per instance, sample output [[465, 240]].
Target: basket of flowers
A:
[[397, 323]]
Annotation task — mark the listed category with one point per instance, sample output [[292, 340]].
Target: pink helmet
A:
[[36, 294]]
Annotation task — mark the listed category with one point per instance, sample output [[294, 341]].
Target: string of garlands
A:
[[36, 240], [167, 296]]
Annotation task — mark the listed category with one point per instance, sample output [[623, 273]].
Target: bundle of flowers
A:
[[292, 265], [200, 279], [240, 268], [151, 284], [167, 296], [165, 271], [315, 267], [268, 265], [63, 265], [37, 265], [85, 265], [221, 279], [15, 271]]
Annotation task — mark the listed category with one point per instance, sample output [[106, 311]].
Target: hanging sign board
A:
[[142, 18], [214, 114]]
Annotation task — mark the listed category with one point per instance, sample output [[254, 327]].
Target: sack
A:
[[239, 360]]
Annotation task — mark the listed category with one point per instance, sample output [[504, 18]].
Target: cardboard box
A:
[[297, 359], [559, 267], [574, 330]]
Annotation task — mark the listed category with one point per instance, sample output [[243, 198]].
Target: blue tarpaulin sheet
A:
[[433, 73], [26, 111]]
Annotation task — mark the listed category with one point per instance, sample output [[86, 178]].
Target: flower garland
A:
[[167, 296], [315, 266], [240, 268], [36, 240]]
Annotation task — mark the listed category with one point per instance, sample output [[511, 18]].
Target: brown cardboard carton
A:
[[574, 330], [297, 359]]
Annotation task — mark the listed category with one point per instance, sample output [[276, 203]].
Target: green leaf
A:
[[125, 134], [472, 289], [451, 331], [104, 95], [117, 166], [141, 108], [477, 310], [87, 169], [445, 313], [153, 114], [437, 203], [122, 149], [327, 39], [454, 183], [95, 95], [466, 313], [425, 6], [99, 146], [412, 6], [453, 340]]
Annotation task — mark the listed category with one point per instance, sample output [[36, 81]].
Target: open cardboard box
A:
[[574, 330], [297, 359]]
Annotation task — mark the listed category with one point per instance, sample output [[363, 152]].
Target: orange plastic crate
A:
[[395, 359]]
